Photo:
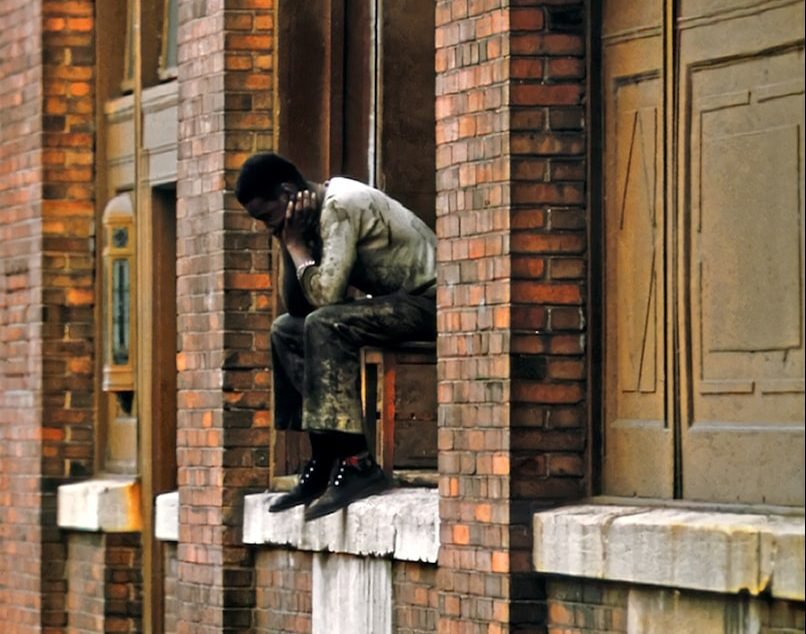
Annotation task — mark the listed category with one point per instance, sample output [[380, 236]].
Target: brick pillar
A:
[[511, 225], [20, 317], [548, 360], [223, 300], [68, 271], [46, 294], [104, 592]]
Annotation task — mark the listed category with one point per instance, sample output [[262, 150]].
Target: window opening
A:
[[168, 55], [367, 113]]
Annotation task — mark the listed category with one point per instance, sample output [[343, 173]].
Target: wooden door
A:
[[740, 183], [704, 250], [639, 436]]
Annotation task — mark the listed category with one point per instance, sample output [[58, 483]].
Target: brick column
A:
[[511, 225], [549, 279], [20, 316], [47, 289], [223, 300], [104, 592], [68, 272]]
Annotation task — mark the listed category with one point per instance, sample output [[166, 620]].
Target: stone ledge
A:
[[166, 517], [675, 548], [110, 505], [401, 524]]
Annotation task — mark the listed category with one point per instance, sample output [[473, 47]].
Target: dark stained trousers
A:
[[316, 359]]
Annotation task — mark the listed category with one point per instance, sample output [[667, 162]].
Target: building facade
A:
[[617, 438]]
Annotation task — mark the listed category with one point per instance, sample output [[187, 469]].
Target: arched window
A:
[[118, 328]]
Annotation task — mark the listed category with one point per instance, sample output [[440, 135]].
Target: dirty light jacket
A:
[[370, 242]]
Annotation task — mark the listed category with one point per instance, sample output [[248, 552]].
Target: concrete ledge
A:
[[401, 524], [109, 505], [166, 517], [674, 548]]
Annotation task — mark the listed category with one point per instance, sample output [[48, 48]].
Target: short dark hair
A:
[[262, 174]]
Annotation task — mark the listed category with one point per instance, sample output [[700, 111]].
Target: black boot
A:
[[311, 484], [354, 478]]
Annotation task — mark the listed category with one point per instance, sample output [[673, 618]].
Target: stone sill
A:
[[109, 505], [154, 98], [674, 548], [400, 524], [166, 517]]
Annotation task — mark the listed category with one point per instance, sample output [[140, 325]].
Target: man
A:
[[337, 237]]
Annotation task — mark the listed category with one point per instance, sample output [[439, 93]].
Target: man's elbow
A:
[[321, 298]]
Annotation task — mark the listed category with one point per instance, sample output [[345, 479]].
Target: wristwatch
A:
[[304, 267]]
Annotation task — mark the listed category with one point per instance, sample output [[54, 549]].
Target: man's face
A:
[[270, 212]]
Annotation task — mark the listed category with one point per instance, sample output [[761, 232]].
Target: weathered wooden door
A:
[[703, 118]]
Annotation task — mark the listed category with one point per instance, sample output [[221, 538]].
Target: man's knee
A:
[[322, 318], [285, 326]]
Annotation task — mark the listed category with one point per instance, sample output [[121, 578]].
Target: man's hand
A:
[[300, 207]]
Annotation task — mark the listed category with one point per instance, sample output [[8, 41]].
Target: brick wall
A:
[[284, 594], [123, 583], [20, 316], [223, 296], [68, 214], [585, 606], [783, 617], [170, 607], [473, 319], [549, 272], [511, 222], [68, 239], [46, 310], [283, 591], [85, 594], [415, 598], [104, 593]]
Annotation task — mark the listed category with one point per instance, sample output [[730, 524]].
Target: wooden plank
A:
[[405, 403]]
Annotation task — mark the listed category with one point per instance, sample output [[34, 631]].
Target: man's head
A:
[[264, 186]]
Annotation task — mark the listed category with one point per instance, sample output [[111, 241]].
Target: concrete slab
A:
[[111, 505], [400, 524], [674, 548]]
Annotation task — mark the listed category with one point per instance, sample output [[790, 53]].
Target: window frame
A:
[[170, 24]]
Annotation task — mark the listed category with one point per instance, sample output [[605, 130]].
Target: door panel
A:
[[310, 67], [742, 227], [704, 281], [360, 53], [622, 17], [406, 129], [638, 458]]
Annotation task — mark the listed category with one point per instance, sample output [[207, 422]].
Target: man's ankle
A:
[[361, 461]]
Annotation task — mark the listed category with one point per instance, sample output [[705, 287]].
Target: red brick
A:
[[546, 293], [527, 19], [546, 94]]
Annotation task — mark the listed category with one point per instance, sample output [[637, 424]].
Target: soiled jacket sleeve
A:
[[327, 283]]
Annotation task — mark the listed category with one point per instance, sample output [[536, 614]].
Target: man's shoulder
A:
[[343, 189], [348, 198]]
